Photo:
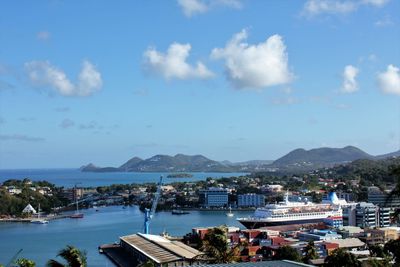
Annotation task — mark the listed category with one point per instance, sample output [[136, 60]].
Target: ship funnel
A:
[[333, 198]]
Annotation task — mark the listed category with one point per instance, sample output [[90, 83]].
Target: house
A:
[[29, 209]]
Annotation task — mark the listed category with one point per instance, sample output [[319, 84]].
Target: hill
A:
[[165, 163], [320, 157]]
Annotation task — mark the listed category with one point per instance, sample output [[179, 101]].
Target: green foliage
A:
[[72, 256], [287, 253], [341, 258], [392, 247], [310, 252], [215, 245], [25, 263]]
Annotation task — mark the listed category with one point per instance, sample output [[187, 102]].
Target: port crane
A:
[[148, 213]]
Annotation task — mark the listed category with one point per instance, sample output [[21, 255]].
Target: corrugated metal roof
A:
[[160, 249]]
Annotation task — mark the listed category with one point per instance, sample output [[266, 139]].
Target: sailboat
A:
[[77, 214], [230, 214], [38, 220]]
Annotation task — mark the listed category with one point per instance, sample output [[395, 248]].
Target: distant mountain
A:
[[93, 168], [248, 163], [321, 157], [298, 159], [127, 166], [389, 155], [165, 163]]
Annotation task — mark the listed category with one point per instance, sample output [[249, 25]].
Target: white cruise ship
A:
[[287, 212]]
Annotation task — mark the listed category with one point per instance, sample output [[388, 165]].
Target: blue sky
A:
[[100, 81]]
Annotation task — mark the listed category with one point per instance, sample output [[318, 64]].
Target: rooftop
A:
[[160, 249], [348, 242]]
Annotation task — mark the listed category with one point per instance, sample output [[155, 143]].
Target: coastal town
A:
[[364, 228]]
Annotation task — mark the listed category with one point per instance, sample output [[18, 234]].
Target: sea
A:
[[69, 177], [42, 242]]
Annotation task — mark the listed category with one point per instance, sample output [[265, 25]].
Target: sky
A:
[[104, 81]]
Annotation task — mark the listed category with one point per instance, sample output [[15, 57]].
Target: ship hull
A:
[[250, 224]]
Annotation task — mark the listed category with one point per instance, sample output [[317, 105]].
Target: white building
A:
[[29, 209]]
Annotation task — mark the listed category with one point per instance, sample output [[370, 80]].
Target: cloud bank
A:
[[254, 66], [42, 73]]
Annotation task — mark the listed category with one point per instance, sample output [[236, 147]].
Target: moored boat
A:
[[179, 212]]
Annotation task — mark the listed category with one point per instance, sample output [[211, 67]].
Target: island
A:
[[180, 175]]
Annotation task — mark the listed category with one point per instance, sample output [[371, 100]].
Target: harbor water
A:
[[42, 242]]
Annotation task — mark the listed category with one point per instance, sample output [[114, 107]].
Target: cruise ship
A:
[[300, 212]]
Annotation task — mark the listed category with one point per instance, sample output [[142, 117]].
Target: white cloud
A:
[[389, 81], [316, 7], [255, 66], [194, 7], [349, 79], [42, 73], [173, 64], [43, 35]]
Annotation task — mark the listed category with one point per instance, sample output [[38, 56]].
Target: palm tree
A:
[[73, 256], [310, 252], [216, 247]]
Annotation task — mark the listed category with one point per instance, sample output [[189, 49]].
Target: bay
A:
[[69, 177], [42, 242]]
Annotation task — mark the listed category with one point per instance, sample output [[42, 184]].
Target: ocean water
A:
[[42, 242], [69, 177]]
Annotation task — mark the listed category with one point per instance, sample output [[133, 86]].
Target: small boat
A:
[[38, 220], [230, 214], [179, 212], [77, 214]]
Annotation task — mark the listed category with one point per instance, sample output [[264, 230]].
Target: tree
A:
[[377, 251], [287, 253], [392, 247], [341, 258], [216, 247], [310, 252], [73, 256]]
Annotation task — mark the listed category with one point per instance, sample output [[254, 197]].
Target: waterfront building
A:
[[213, 197], [251, 200], [161, 251]]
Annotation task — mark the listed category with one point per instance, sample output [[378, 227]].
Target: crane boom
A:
[[148, 213], [156, 197], [10, 263]]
